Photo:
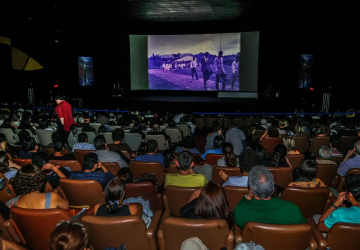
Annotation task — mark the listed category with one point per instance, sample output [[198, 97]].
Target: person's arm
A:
[[101, 166], [195, 195], [13, 165], [343, 168], [263, 135], [227, 136], [50, 166], [223, 176], [339, 201]]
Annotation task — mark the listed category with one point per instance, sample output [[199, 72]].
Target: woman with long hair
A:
[[229, 159], [279, 157], [210, 203]]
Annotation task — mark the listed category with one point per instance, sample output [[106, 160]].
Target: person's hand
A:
[[48, 166], [220, 132], [340, 199], [223, 175], [99, 165], [11, 204], [350, 152]]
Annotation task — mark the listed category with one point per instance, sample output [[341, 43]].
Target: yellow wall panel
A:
[[32, 65], [19, 58]]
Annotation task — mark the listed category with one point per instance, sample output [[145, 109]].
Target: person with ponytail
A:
[[229, 159], [114, 194], [279, 157], [69, 235]]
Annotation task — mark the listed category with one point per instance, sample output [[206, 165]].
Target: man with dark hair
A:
[[89, 171], [118, 137], [338, 214], [59, 153], [218, 143], [334, 145], [29, 148], [105, 155], [349, 161], [236, 137], [151, 148], [220, 70], [259, 205], [82, 143], [188, 143], [235, 71], [187, 176], [205, 68], [56, 136]]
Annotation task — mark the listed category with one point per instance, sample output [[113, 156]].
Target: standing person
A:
[[235, 71], [219, 70], [64, 117], [193, 65], [205, 68], [237, 138]]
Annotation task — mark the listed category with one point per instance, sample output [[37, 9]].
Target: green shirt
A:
[[273, 211]]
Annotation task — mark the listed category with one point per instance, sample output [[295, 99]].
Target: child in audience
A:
[[69, 235]]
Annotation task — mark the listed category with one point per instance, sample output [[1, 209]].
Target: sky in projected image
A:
[[229, 43]]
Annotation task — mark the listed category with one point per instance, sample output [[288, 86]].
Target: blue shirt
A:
[[11, 173], [151, 158], [217, 151], [237, 181], [192, 150], [83, 146], [349, 164], [344, 215], [101, 177]]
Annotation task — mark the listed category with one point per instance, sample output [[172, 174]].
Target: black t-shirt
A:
[[53, 178], [65, 157], [188, 211]]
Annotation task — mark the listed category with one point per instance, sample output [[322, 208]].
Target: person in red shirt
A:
[[65, 118]]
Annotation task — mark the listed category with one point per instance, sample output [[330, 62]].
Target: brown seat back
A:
[[74, 165], [343, 236], [347, 143], [35, 225], [177, 197], [114, 231], [112, 167], [145, 190], [229, 171], [200, 122], [301, 143], [310, 201], [257, 135], [317, 143], [81, 153], [337, 160], [234, 195], [213, 233], [21, 162], [49, 150], [275, 237], [173, 169], [282, 176], [7, 193], [212, 159], [295, 160], [82, 192], [270, 143], [327, 173], [142, 167]]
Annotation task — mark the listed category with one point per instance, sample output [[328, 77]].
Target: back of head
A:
[[118, 134], [185, 160], [263, 121], [308, 169], [60, 97], [156, 128], [89, 161], [126, 175], [289, 142], [102, 129], [23, 135], [56, 136], [114, 191], [58, 146], [82, 137], [357, 147], [261, 151], [4, 162], [151, 146], [325, 153], [100, 142], [29, 179], [249, 159], [69, 235], [279, 154], [248, 246], [273, 131], [218, 142], [216, 127], [352, 183], [188, 142], [29, 144], [40, 159], [213, 204], [261, 181], [335, 141], [233, 125]]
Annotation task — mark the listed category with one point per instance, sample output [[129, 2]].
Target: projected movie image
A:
[[207, 62], [86, 76], [305, 72]]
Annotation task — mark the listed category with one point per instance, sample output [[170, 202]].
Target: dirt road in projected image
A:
[[169, 80]]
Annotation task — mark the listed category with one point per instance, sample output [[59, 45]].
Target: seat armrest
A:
[[9, 227], [160, 233], [155, 223], [238, 234], [159, 201], [317, 234], [166, 204], [164, 216], [313, 244], [230, 239]]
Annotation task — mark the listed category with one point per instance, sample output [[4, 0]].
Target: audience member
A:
[[259, 206], [210, 138], [217, 147], [349, 162], [237, 138], [69, 235], [169, 157], [83, 143], [126, 175], [348, 131], [325, 156], [9, 124], [248, 159], [187, 177], [59, 153], [88, 128], [156, 131], [289, 143], [5, 168], [89, 171], [29, 148], [265, 157], [118, 137], [56, 136], [105, 155], [102, 129], [210, 203], [279, 157], [334, 145], [188, 143], [151, 148], [229, 159], [300, 129]]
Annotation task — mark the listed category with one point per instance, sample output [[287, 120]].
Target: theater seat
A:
[[227, 170], [79, 154], [234, 195], [270, 143], [142, 167], [341, 183], [145, 190], [347, 143], [163, 144], [74, 165], [91, 136], [10, 135], [317, 143], [295, 160], [133, 140], [282, 175], [327, 173], [44, 136], [175, 135], [6, 190], [112, 167], [215, 234], [276, 237], [82, 192], [35, 225], [22, 162], [301, 143], [200, 122], [184, 129], [129, 230], [212, 159]]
